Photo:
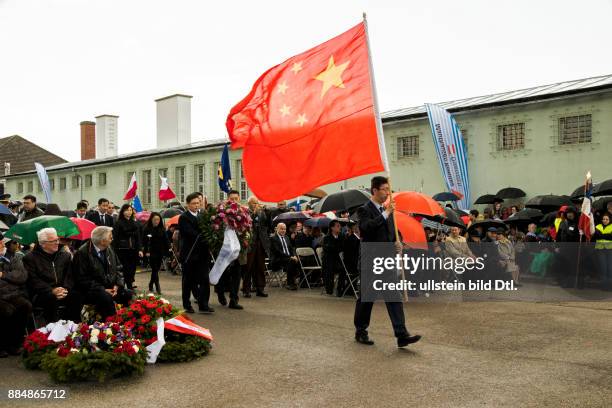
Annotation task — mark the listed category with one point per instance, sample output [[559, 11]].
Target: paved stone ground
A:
[[297, 350]]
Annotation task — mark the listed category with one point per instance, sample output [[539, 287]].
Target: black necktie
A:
[[102, 219], [103, 257], [382, 209]]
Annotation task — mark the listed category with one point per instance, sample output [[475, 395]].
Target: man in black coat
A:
[[282, 255], [50, 280], [100, 217], [254, 272], [333, 245], [30, 210], [98, 274], [376, 225], [352, 244], [194, 257]]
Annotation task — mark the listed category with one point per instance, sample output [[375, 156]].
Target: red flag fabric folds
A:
[[309, 121]]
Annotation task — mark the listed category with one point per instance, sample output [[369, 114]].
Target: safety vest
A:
[[604, 243]]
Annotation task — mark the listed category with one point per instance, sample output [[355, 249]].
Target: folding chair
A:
[[352, 281], [274, 276], [320, 258], [305, 252]]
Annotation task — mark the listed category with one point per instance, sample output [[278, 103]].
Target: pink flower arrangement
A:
[[232, 215]]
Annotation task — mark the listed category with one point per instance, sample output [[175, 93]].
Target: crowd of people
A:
[[55, 277]]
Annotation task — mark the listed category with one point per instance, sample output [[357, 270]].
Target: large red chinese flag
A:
[[309, 121]]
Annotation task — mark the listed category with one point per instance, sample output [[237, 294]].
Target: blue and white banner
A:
[[44, 181], [451, 153]]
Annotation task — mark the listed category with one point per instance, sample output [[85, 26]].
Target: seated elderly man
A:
[[15, 308], [50, 280], [98, 273], [282, 255]]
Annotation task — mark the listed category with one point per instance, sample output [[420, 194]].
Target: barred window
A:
[[407, 146], [101, 179], [575, 129], [62, 183], [146, 186], [198, 177], [52, 184], [464, 134], [88, 180], [30, 186], [242, 185], [511, 136], [76, 181], [179, 175], [20, 188]]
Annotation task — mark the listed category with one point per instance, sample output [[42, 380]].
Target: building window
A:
[[146, 187], [464, 135], [575, 129], [101, 179], [218, 195], [179, 175], [30, 186], [75, 181], [88, 180], [19, 188], [62, 183], [243, 189], [198, 178], [52, 184], [407, 146], [511, 136]]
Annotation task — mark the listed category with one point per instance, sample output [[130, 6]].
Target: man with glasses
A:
[[98, 273], [50, 280]]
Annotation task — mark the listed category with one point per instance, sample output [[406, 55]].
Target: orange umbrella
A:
[[412, 230], [172, 221], [417, 203]]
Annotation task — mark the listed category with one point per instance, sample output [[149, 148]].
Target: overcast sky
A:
[[65, 61]]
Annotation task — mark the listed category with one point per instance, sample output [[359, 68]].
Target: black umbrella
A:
[[174, 204], [510, 192], [486, 224], [445, 196], [53, 209], [68, 213], [577, 194], [345, 199], [601, 203], [488, 199], [171, 212], [451, 218], [291, 216], [602, 189], [8, 219], [460, 212], [548, 203], [526, 215], [318, 222]]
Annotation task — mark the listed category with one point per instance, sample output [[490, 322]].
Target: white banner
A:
[[44, 181], [229, 253], [155, 347]]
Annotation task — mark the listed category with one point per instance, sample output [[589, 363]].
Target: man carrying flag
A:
[[224, 172]]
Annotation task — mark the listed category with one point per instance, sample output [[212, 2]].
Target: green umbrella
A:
[[25, 232]]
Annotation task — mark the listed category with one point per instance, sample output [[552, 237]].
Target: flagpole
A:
[[381, 143]]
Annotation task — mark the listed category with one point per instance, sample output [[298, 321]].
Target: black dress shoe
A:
[[291, 287], [406, 340], [363, 339], [189, 309], [235, 305], [246, 294], [207, 310], [262, 294], [222, 299]]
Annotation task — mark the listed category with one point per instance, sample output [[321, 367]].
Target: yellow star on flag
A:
[[301, 119], [297, 67], [332, 76], [285, 110], [282, 87]]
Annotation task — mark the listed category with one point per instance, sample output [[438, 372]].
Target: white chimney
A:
[[106, 136], [173, 121]]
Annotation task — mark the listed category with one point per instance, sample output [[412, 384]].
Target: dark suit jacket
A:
[[95, 218], [351, 253], [373, 226], [332, 247], [189, 236], [278, 258], [92, 273]]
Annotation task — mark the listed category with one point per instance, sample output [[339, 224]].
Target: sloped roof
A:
[[506, 98], [22, 154]]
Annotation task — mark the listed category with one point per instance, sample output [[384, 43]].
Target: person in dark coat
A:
[[155, 246], [126, 243], [100, 217], [195, 257], [50, 280], [568, 254], [282, 255], [97, 272], [254, 272], [30, 210], [333, 244], [351, 252], [376, 225], [15, 308]]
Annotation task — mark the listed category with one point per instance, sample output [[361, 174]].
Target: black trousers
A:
[[255, 269], [105, 303], [73, 303], [14, 313], [230, 281], [129, 260], [363, 311], [195, 279], [155, 262], [329, 274]]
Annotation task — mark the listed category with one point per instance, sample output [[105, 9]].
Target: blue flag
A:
[[224, 173], [137, 204]]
